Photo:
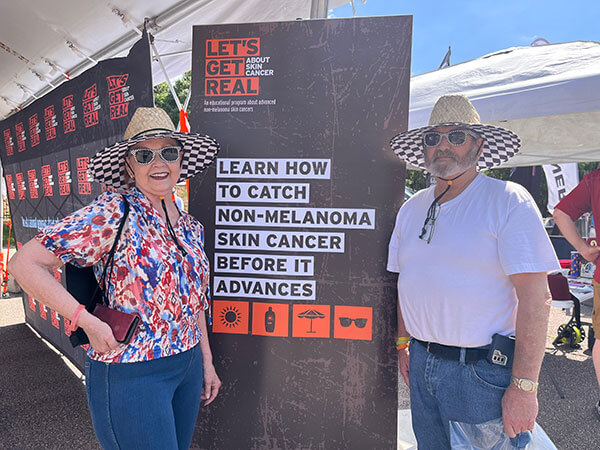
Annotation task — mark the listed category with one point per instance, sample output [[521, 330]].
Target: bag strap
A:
[[111, 254]]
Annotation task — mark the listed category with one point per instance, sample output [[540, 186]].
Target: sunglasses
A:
[[454, 137], [347, 321], [429, 225], [146, 156]]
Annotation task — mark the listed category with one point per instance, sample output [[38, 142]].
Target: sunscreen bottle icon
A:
[[270, 320]]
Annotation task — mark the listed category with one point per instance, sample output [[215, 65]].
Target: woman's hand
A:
[[212, 384], [99, 333]]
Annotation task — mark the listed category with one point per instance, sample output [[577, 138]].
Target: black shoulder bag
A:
[[82, 284]]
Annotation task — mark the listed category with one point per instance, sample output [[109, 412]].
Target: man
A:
[[584, 198], [472, 256]]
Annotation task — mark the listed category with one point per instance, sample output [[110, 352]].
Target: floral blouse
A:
[[149, 275]]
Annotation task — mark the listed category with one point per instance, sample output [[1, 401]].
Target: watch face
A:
[[527, 385]]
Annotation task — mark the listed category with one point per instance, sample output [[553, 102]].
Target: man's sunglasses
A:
[[146, 156], [454, 137]]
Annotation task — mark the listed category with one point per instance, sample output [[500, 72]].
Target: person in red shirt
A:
[[584, 198]]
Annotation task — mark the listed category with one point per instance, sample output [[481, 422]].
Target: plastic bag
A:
[[491, 436]]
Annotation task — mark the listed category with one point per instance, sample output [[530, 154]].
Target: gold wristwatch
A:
[[525, 384]]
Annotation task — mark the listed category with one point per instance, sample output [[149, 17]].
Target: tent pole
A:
[[186, 103], [319, 9], [160, 63]]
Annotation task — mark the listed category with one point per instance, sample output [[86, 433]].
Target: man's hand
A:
[[590, 253], [519, 410], [404, 362]]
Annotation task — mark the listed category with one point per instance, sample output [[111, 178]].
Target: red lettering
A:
[[33, 183], [218, 48], [225, 67], [47, 180], [84, 186], [8, 143], [220, 87], [34, 130], [20, 185], [10, 186], [117, 81], [20, 133]]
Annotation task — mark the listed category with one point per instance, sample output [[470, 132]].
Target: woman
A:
[[144, 394]]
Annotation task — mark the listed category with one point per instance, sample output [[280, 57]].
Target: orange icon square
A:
[[353, 322], [230, 317], [311, 321], [270, 319]]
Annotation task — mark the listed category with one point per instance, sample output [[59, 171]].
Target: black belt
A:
[[453, 353]]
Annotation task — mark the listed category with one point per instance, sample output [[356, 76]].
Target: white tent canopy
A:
[[549, 95], [42, 40]]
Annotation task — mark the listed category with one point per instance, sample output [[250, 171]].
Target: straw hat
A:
[[107, 166], [499, 144]]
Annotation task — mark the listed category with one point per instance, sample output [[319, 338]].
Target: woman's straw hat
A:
[[499, 144], [107, 166]]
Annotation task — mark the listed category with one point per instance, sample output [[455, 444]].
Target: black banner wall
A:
[[298, 211], [47, 147]]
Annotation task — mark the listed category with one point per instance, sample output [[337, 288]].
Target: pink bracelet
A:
[[75, 317]]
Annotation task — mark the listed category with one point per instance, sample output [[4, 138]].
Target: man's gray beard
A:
[[456, 167]]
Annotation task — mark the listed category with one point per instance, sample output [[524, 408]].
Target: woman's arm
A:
[[32, 267], [212, 383]]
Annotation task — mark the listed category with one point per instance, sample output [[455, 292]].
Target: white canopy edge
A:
[[35, 33], [549, 95]]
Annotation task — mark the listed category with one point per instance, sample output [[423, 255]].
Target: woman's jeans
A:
[[442, 391], [145, 405]]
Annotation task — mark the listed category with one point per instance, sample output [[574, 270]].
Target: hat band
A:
[[151, 129]]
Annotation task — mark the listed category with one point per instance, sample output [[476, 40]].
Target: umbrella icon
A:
[[311, 314]]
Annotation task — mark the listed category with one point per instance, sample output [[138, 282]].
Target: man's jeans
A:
[[442, 391]]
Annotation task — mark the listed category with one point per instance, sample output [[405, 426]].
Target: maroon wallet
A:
[[123, 324]]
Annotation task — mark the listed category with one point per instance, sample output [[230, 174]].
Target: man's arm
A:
[[403, 356], [568, 229], [519, 408]]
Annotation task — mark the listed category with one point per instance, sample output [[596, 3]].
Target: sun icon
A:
[[230, 316]]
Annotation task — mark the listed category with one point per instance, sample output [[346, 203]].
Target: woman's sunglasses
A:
[[146, 156], [454, 137]]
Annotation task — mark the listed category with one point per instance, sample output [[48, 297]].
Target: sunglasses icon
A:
[[347, 321]]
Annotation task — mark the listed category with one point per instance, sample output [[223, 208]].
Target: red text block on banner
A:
[[220, 87], [219, 48]]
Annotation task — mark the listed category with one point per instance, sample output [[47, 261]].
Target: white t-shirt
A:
[[456, 290]]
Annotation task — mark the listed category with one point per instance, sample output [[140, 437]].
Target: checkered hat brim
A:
[[499, 144], [107, 166]]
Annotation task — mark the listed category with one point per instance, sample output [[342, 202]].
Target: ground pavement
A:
[[43, 404]]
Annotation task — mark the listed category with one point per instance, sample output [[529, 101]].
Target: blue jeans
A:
[[145, 405], [442, 391]]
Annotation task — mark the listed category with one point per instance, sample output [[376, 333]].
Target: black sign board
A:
[[45, 152], [298, 210]]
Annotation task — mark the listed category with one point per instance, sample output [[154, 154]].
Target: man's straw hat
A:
[[107, 166], [499, 144]]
